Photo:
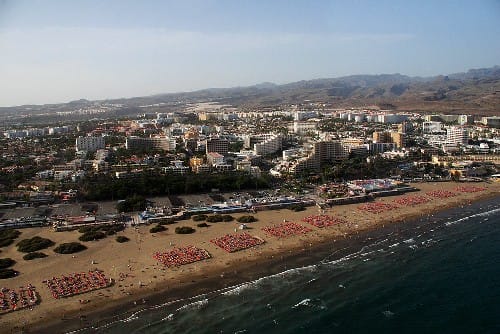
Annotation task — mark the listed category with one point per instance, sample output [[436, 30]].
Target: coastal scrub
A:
[[34, 244]]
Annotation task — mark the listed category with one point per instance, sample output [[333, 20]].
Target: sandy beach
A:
[[138, 275]]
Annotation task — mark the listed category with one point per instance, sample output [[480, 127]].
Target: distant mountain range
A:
[[476, 91]]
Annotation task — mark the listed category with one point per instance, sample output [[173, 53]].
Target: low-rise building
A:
[[177, 167], [491, 121], [214, 159]]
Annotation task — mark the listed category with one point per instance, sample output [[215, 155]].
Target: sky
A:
[[57, 51]]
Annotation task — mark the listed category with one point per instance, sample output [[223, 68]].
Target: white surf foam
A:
[[388, 314], [237, 289], [308, 302], [304, 302], [169, 317], [194, 305], [481, 214]]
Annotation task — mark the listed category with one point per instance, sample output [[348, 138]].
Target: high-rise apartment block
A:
[[457, 135], [218, 145], [89, 143], [150, 143]]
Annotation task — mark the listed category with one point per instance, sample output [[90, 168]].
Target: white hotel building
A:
[[457, 135], [89, 143]]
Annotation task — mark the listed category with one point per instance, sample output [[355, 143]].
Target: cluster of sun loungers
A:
[[323, 220], [377, 207], [470, 189], [286, 229], [181, 255], [412, 200], [76, 283], [12, 300], [441, 193], [235, 242]]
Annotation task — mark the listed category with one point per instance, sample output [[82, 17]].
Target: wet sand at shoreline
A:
[[143, 277]]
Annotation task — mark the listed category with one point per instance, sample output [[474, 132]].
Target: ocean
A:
[[440, 274]]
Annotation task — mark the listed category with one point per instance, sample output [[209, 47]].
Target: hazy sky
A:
[[57, 51]]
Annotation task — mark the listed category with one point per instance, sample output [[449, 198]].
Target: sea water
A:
[[441, 275]]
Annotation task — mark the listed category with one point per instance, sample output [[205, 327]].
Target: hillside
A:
[[476, 91]]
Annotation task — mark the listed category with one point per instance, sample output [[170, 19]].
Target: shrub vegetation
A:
[[166, 222], [8, 236], [227, 218], [246, 219], [219, 218], [34, 255], [7, 273], [92, 236], [157, 228], [6, 263], [199, 218], [99, 232], [132, 203], [6, 242], [184, 230], [297, 207], [69, 248], [122, 238], [34, 244], [214, 218]]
